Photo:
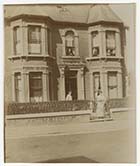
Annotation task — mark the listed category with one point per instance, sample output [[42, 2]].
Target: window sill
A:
[[14, 57], [105, 57], [71, 57]]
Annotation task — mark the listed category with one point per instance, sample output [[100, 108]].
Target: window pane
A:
[[69, 42], [35, 83], [112, 84], [110, 39], [16, 40], [95, 39], [95, 43], [34, 39]]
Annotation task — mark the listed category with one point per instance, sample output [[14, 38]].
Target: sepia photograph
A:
[[69, 83]]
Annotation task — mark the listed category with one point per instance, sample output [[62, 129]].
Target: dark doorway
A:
[[71, 83]]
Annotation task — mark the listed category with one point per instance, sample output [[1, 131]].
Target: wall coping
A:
[[49, 114], [67, 113]]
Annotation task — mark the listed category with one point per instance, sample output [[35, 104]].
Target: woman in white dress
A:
[[100, 103], [69, 96]]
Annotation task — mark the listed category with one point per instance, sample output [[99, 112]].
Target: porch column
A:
[[26, 86], [62, 84], [91, 86], [104, 83], [80, 83], [13, 88], [45, 78], [119, 80]]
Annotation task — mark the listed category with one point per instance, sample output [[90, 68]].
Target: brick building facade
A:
[[53, 49]]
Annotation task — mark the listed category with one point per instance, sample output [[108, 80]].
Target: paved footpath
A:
[[103, 142], [119, 122]]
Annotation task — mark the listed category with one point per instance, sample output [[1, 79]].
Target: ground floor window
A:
[[112, 85], [35, 85], [18, 87]]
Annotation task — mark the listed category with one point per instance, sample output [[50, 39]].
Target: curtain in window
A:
[[110, 39], [34, 39], [95, 39]]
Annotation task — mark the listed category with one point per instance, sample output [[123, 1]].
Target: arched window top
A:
[[69, 34], [69, 31]]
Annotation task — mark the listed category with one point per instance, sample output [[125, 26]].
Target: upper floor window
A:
[[17, 39], [34, 39], [70, 43], [110, 43], [95, 43]]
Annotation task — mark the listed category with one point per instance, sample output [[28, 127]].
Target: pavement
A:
[[92, 142]]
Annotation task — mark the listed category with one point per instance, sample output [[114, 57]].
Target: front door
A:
[[71, 83]]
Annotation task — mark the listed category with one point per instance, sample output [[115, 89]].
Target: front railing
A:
[[60, 106], [44, 107]]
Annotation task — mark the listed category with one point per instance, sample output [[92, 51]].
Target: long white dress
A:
[[100, 99]]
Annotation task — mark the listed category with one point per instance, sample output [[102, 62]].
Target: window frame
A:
[[34, 41], [109, 50], [33, 76]]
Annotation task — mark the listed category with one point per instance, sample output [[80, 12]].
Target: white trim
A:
[[49, 114]]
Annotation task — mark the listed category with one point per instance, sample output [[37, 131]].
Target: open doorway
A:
[[71, 83]]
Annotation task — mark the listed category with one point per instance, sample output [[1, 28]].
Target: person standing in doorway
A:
[[69, 96]]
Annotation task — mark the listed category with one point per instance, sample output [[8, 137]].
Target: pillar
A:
[[76, 46], [119, 81], [25, 40], [12, 41], [104, 83], [45, 78], [80, 84], [62, 84], [91, 86], [63, 46], [43, 48], [26, 86], [118, 44], [90, 43]]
